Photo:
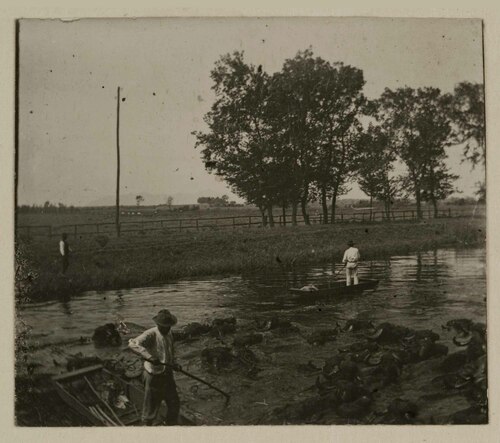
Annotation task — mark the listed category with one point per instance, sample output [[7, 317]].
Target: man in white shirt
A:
[[156, 346], [64, 250], [350, 260]]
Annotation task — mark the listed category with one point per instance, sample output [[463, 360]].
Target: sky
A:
[[70, 71]]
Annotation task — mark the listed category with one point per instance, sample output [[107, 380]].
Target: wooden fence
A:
[[236, 222]]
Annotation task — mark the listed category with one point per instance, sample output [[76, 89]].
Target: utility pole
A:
[[118, 164]]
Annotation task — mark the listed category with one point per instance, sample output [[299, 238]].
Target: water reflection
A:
[[421, 290]]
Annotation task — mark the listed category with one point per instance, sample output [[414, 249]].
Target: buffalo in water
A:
[[106, 335]]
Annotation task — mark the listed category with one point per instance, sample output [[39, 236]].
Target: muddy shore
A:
[[282, 372]]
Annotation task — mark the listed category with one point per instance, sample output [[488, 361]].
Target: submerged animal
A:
[[388, 333], [278, 324], [354, 325], [222, 326], [460, 325], [191, 330], [321, 336], [218, 357], [247, 339], [455, 361], [106, 335]]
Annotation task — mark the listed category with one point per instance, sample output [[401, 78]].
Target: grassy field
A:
[[158, 257], [107, 214]]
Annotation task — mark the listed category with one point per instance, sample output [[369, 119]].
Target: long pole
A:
[[194, 377], [118, 163]]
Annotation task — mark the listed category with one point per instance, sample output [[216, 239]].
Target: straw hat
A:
[[165, 318]]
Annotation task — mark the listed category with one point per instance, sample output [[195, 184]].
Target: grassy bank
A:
[[142, 260]]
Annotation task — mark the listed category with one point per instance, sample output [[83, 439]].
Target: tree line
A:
[[48, 207], [307, 132]]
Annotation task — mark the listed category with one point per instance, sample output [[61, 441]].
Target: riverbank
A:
[[104, 263], [282, 372]]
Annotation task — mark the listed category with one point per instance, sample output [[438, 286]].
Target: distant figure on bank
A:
[[350, 260], [64, 249], [156, 347]]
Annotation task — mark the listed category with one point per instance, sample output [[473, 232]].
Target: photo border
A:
[[12, 10]]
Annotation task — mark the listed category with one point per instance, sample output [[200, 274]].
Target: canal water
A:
[[420, 291]]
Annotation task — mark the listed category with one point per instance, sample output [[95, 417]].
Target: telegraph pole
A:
[[118, 163]]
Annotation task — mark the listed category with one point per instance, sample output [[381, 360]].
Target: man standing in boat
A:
[[156, 346], [64, 250], [350, 260]]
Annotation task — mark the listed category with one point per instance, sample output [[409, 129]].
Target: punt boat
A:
[[104, 398]]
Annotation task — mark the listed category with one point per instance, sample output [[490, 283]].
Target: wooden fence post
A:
[[250, 221], [75, 233], [180, 225], [197, 226], [234, 223], [97, 227], [50, 231]]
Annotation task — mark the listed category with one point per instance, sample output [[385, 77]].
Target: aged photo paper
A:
[[250, 225]]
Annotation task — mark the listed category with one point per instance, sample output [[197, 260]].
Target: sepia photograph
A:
[[250, 221]]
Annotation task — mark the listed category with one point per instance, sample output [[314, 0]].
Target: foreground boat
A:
[[332, 289], [104, 398]]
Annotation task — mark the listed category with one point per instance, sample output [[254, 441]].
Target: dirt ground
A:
[[280, 372]]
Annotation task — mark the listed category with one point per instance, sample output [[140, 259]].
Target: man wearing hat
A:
[[156, 346], [350, 260]]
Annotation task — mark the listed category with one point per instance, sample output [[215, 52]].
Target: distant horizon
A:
[[311, 203]]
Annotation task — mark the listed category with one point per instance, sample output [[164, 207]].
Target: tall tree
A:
[[438, 184], [294, 108], [419, 126], [238, 144], [375, 168], [469, 126], [468, 116], [340, 105]]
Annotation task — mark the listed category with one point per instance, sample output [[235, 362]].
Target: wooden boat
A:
[[85, 391], [333, 289]]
